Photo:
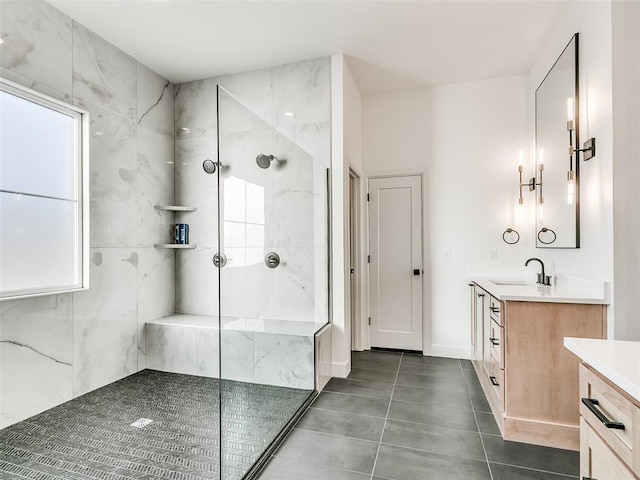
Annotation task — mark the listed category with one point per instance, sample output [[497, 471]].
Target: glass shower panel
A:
[[273, 287]]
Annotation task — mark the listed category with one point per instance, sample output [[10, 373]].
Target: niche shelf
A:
[[178, 209]]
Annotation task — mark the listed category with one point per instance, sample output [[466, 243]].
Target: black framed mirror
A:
[[557, 169]]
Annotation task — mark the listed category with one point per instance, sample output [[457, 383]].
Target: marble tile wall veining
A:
[[35, 356], [88, 339], [103, 75], [154, 102], [37, 44], [287, 215], [114, 178], [197, 281], [282, 360], [195, 109], [154, 187], [105, 321], [156, 291], [267, 358]]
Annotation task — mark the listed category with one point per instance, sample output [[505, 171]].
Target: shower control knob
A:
[[272, 260], [219, 260]]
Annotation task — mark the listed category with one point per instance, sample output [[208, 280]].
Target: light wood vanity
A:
[[609, 407], [529, 378]]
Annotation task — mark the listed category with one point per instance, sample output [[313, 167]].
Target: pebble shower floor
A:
[[91, 437]]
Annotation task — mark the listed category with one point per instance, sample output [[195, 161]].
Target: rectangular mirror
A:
[[557, 171]]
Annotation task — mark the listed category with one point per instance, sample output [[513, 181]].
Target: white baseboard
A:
[[341, 369], [448, 351]]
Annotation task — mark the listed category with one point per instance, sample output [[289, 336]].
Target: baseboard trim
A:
[[341, 369], [448, 351]]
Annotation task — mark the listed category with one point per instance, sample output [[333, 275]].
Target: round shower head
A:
[[209, 166], [264, 161]]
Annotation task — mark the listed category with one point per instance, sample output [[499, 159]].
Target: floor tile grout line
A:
[[435, 452], [354, 394], [433, 425], [535, 469], [346, 413], [336, 435], [375, 461], [434, 404]]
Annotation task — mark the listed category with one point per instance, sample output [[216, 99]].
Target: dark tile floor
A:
[[409, 417]]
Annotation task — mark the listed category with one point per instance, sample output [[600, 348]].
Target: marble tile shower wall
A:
[[57, 347], [284, 110]]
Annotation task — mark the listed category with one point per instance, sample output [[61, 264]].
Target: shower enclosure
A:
[[227, 372], [253, 291]]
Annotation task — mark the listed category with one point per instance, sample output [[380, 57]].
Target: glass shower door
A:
[[273, 289]]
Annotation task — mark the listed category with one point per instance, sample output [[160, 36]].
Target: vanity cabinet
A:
[[609, 424], [529, 378]]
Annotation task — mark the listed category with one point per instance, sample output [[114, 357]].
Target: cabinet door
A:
[[486, 326], [597, 461], [473, 319], [481, 298]]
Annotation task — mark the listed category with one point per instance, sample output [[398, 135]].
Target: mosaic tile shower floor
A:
[[91, 437]]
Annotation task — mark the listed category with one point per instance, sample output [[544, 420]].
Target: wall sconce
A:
[[588, 147], [533, 182]]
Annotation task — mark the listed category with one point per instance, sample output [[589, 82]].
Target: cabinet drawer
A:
[[496, 379], [600, 399], [597, 461], [496, 338], [495, 306]]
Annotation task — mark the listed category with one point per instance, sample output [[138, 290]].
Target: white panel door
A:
[[395, 212]]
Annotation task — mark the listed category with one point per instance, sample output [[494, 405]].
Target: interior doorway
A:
[[396, 272]]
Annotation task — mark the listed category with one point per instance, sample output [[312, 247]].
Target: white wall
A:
[[592, 20], [341, 330], [626, 168], [464, 139]]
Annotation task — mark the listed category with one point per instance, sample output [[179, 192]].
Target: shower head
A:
[[264, 161], [209, 166]]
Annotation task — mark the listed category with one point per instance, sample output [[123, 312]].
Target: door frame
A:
[[425, 251], [354, 244]]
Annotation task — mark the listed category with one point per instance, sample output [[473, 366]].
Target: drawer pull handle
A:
[[494, 382], [494, 341], [495, 309], [591, 403]]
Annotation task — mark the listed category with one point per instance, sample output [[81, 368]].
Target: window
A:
[[44, 207]]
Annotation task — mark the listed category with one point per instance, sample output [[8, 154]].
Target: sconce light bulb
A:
[[570, 110], [521, 159], [541, 156], [540, 213], [570, 192]]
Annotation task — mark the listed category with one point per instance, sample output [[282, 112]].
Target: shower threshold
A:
[[92, 436]]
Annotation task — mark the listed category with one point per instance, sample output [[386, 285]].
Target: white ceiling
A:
[[390, 45]]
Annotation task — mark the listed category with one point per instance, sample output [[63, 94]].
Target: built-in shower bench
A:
[[254, 350]]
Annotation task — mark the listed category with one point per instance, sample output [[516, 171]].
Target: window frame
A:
[[81, 191]]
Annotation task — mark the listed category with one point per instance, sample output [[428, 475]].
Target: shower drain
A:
[[142, 422]]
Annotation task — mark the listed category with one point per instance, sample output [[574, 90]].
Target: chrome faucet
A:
[[542, 278]]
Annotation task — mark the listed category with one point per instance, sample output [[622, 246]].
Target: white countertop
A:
[[617, 360], [566, 290]]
